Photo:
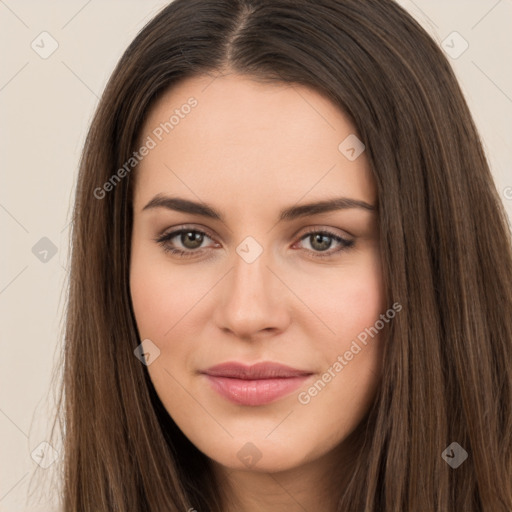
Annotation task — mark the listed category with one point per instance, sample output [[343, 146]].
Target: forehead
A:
[[227, 137]]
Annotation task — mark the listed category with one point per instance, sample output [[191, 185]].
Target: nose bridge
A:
[[250, 276], [251, 299]]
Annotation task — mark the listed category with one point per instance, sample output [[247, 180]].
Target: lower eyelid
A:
[[165, 239]]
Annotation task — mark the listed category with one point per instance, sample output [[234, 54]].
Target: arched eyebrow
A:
[[287, 214]]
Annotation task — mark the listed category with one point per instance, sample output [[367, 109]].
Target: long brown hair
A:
[[445, 246]]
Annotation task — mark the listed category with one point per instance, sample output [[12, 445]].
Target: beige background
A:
[[46, 106]]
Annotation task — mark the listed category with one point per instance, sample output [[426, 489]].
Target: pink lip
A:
[[259, 384]]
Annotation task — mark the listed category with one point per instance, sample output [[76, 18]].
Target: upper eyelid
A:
[[206, 231], [176, 231]]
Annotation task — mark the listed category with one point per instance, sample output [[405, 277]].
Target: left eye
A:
[[321, 241], [191, 241]]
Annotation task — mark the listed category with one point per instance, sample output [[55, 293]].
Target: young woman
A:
[[291, 273]]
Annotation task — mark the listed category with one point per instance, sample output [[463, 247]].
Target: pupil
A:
[[191, 240], [322, 246]]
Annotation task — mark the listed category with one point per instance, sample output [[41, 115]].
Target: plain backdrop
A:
[[46, 107]]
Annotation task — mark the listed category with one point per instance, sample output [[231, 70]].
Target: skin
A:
[[250, 149]]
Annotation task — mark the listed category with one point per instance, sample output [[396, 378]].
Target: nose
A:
[[252, 301]]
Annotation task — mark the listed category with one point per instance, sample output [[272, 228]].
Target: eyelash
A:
[[164, 239]]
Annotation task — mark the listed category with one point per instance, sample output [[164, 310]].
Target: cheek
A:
[[347, 299], [161, 295], [151, 299], [361, 297]]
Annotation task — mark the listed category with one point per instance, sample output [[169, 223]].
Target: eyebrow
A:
[[293, 212]]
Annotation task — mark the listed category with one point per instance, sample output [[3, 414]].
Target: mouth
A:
[[259, 384]]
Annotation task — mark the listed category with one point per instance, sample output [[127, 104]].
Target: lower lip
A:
[[255, 392]]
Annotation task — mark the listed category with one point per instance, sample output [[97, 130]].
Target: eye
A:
[[321, 241], [186, 242], [190, 240]]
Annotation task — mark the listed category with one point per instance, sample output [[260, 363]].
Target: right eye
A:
[[190, 240]]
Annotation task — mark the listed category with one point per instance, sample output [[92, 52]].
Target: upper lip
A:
[[264, 370]]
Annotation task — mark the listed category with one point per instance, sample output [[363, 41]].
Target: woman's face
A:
[[264, 277]]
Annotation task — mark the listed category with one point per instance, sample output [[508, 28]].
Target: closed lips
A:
[[255, 385], [264, 370]]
